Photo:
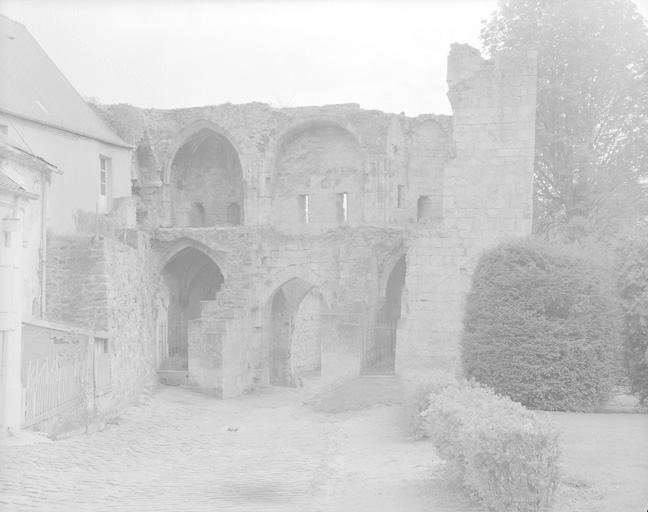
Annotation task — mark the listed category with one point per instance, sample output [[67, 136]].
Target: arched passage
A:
[[191, 277], [293, 332], [206, 181], [380, 354]]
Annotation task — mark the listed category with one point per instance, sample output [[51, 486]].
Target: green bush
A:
[[541, 326], [633, 290], [494, 448], [418, 389]]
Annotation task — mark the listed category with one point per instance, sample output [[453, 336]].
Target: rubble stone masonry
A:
[[306, 212]]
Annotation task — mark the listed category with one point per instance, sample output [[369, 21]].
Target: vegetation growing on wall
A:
[[541, 327]]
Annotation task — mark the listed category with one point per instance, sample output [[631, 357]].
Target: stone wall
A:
[[107, 286], [435, 190], [487, 197], [284, 153]]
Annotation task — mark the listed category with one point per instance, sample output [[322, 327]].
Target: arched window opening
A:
[[206, 180]]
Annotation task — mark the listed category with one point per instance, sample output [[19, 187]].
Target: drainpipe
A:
[[43, 262]]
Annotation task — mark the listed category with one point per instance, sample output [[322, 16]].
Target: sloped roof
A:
[[32, 87], [6, 183], [19, 152]]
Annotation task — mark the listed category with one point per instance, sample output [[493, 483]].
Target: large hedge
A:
[[541, 326], [633, 290]]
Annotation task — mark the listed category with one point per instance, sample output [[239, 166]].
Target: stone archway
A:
[[380, 352], [191, 277], [293, 332], [206, 180]]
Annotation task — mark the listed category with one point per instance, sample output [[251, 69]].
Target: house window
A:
[[341, 204], [401, 196], [104, 171], [302, 200]]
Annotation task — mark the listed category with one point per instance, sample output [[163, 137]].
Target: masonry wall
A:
[[106, 285], [487, 197], [284, 153], [439, 191], [320, 162], [343, 266]]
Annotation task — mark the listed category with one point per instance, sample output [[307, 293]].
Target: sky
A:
[[388, 55]]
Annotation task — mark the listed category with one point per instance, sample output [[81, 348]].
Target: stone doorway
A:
[[380, 351], [293, 330], [191, 277]]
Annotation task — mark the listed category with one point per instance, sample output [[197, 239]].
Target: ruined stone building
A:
[[333, 239], [258, 245]]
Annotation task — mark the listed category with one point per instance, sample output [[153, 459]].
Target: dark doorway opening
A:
[[191, 277], [380, 356]]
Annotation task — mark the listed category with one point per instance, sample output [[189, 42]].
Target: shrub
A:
[[541, 326], [418, 389], [494, 448], [633, 289]]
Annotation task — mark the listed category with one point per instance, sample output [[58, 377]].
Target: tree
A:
[[591, 162]]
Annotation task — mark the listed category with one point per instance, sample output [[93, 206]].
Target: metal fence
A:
[[380, 345]]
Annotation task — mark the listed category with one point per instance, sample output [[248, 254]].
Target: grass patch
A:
[[604, 462]]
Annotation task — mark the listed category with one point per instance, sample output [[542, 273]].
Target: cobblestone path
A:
[[182, 452]]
